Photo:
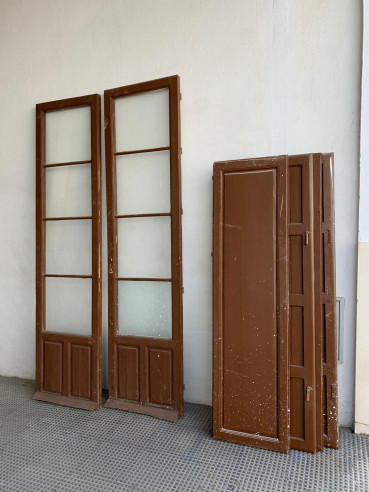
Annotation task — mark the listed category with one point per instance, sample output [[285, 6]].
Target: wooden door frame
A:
[[68, 340], [176, 343], [282, 443]]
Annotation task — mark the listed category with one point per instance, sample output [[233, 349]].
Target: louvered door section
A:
[[142, 141], [68, 252]]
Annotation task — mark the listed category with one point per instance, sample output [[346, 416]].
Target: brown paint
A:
[[301, 303], [311, 396], [68, 367], [325, 259], [250, 372], [146, 374]]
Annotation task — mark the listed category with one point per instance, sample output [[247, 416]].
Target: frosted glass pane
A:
[[142, 121], [143, 183], [69, 247], [145, 308], [69, 305], [68, 135], [68, 191], [144, 247]]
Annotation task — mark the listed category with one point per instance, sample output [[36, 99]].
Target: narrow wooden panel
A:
[[160, 377], [128, 373], [328, 299], [302, 328], [298, 414], [53, 364], [296, 323], [250, 328], [81, 371], [296, 265]]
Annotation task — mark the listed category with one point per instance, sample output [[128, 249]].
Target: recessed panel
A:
[[296, 265], [295, 184], [68, 305], [68, 135], [68, 191], [160, 370], [144, 247], [53, 367], [81, 371], [298, 408], [297, 335], [145, 308], [250, 332], [129, 373], [143, 183], [142, 121], [69, 247]]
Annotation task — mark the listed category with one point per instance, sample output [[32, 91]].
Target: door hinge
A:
[[307, 237], [329, 236], [333, 390], [182, 290], [309, 390]]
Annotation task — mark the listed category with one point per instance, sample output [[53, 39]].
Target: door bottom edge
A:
[[66, 401], [161, 413]]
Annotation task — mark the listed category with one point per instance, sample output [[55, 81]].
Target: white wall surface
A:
[[258, 78], [362, 334]]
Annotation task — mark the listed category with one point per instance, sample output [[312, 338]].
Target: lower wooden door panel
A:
[[146, 377], [66, 375]]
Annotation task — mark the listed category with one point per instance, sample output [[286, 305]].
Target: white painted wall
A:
[[258, 77], [362, 335]]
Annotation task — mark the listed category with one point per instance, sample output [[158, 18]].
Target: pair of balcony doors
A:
[[143, 189]]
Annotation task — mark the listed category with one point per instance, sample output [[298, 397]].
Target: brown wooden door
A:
[[325, 302], [68, 252], [301, 303], [250, 364], [142, 142]]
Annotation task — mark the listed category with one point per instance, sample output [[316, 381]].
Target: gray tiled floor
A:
[[46, 447]]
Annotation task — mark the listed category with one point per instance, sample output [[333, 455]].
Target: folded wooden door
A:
[[250, 289], [301, 303], [325, 302], [68, 252], [142, 142]]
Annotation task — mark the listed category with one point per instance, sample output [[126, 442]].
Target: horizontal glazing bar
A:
[[141, 215], [74, 163], [158, 149], [66, 276], [144, 279], [68, 218]]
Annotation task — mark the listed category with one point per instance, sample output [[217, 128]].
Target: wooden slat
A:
[[129, 152]]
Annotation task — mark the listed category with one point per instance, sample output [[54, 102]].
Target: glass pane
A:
[[142, 121], [68, 305], [143, 183], [69, 247], [144, 247], [145, 308], [68, 191], [68, 135]]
